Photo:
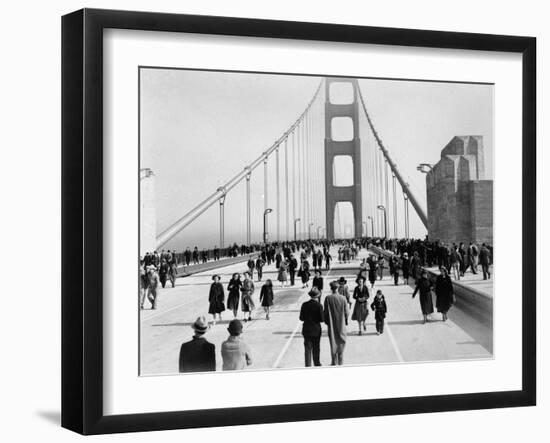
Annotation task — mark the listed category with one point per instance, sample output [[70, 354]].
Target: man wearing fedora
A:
[[198, 355], [311, 313], [236, 353], [336, 312]]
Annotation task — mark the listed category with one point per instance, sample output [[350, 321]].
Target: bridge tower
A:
[[342, 139]]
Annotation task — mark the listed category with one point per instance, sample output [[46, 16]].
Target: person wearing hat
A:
[[216, 298], [424, 288], [343, 290], [444, 292], [292, 266], [335, 315], [311, 313], [318, 281], [198, 355], [236, 353], [361, 309]]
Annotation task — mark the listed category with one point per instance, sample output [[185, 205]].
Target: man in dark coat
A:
[[198, 355], [293, 265], [485, 260], [311, 313], [260, 267]]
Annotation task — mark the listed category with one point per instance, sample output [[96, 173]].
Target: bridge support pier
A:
[[342, 146]]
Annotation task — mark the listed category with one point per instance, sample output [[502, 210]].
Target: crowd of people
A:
[[308, 261]]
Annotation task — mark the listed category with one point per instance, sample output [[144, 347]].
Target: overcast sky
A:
[[198, 129]]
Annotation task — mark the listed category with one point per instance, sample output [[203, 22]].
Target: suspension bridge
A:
[[327, 176]]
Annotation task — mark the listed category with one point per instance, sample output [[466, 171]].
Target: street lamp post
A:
[[382, 208], [222, 222], [296, 220], [364, 224], [318, 229], [309, 230], [371, 225], [267, 211]]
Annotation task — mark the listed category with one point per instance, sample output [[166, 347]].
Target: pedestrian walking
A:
[[216, 298], [381, 266], [485, 261], [282, 275], [260, 263], [424, 289], [361, 308], [266, 297], [372, 265], [444, 292], [250, 264], [311, 314], [395, 265], [380, 309], [234, 293], [152, 285], [335, 315], [405, 268], [318, 282], [236, 354], [293, 265], [304, 273], [328, 259], [343, 290], [163, 272], [247, 289], [198, 355]]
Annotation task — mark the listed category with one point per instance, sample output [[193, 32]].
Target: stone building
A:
[[147, 212], [459, 194]]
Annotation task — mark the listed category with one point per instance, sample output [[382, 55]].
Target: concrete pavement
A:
[[277, 343]]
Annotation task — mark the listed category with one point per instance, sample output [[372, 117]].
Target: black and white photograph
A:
[[296, 221]]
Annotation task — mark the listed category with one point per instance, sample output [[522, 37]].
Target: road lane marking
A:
[[287, 344], [394, 344], [289, 340]]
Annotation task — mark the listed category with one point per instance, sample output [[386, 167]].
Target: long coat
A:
[[197, 355], [444, 293], [336, 314], [424, 288], [361, 308], [216, 298], [266, 295], [311, 313], [282, 276], [234, 289], [247, 290]]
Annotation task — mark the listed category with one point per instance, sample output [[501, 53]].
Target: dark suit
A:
[[197, 355], [292, 270], [311, 313]]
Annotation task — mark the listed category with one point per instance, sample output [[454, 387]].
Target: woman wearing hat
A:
[[304, 273], [216, 298], [247, 289], [424, 288], [444, 292], [361, 308], [282, 276], [266, 297], [234, 293]]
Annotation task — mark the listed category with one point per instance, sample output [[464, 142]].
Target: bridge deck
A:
[[278, 342]]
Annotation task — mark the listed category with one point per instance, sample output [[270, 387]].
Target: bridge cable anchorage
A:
[[404, 185], [204, 205]]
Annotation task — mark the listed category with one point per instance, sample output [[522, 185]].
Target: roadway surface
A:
[[277, 343]]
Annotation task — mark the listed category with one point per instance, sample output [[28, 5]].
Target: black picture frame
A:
[[82, 218]]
